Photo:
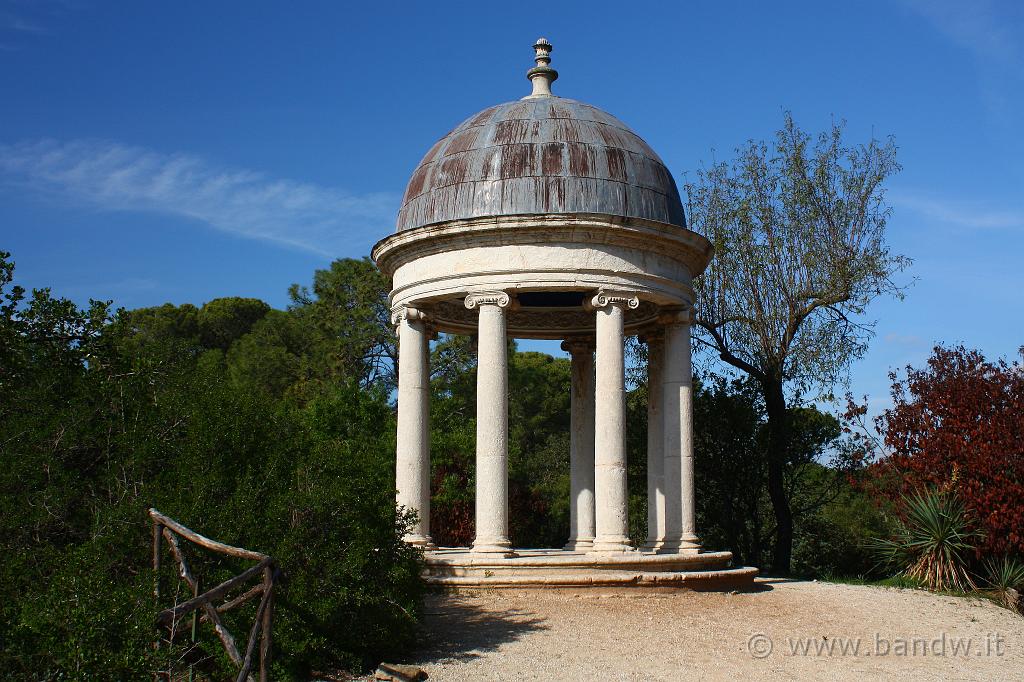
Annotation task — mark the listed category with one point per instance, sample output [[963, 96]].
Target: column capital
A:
[[479, 298], [403, 313], [605, 298], [676, 315], [575, 345]]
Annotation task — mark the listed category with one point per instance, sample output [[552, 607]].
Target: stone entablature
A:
[[436, 266]]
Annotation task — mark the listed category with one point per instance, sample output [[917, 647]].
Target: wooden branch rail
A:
[[166, 528]]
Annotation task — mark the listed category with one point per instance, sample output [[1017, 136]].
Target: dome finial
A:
[[542, 75]]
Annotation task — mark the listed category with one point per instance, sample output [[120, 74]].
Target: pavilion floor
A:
[[460, 567]]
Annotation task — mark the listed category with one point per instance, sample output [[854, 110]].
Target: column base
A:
[[421, 541], [652, 545], [684, 546], [580, 545], [612, 545], [492, 548]]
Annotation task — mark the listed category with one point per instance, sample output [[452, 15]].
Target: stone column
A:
[[491, 424], [581, 444], [655, 442], [611, 500], [412, 467], [680, 528]]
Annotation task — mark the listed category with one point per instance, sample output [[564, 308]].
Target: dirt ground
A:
[[786, 630]]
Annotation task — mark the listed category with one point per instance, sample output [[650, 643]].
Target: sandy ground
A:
[[783, 631]]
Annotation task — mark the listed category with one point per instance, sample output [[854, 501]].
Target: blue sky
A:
[[154, 152]]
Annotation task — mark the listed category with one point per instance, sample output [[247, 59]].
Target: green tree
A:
[[734, 509], [163, 324], [538, 449], [730, 468], [101, 418], [348, 308], [338, 332], [276, 356], [799, 234], [538, 445], [452, 440], [223, 321]]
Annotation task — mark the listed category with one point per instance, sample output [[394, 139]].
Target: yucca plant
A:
[[1005, 577], [932, 542]]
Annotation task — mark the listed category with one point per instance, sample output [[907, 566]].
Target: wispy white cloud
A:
[[20, 25], [990, 32], [16, 25], [980, 26], [111, 176], [970, 215], [36, 17]]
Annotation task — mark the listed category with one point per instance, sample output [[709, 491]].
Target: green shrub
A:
[[933, 542], [101, 419], [92, 617], [1005, 578], [835, 542]]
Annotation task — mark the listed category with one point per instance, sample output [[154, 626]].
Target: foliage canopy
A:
[[798, 228], [103, 416]]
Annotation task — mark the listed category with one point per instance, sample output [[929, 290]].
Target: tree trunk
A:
[[778, 446]]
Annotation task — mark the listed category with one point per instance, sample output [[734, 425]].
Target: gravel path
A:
[[630, 635]]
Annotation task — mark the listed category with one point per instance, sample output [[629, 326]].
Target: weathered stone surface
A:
[[412, 470], [399, 673]]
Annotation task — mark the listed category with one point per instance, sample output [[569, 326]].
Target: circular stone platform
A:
[[460, 567]]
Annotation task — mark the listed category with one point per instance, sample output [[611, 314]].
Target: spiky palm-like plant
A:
[[932, 543], [1005, 581]]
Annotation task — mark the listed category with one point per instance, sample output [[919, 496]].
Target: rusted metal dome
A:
[[540, 155]]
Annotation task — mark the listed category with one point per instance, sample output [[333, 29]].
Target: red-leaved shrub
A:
[[958, 424]]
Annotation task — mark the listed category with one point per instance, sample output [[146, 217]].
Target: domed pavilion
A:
[[547, 218]]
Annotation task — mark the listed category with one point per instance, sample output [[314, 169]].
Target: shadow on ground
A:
[[456, 629]]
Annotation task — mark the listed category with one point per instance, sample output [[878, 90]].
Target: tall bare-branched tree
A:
[[799, 233]]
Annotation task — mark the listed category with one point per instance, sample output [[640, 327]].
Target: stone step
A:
[[731, 578]]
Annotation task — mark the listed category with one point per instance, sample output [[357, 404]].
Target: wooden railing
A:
[[165, 528]]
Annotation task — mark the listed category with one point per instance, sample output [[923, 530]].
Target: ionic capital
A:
[[404, 313], [479, 298], [604, 298], [674, 316], [578, 345]]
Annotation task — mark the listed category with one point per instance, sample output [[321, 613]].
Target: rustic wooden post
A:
[[157, 529], [195, 621], [268, 614], [250, 649]]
